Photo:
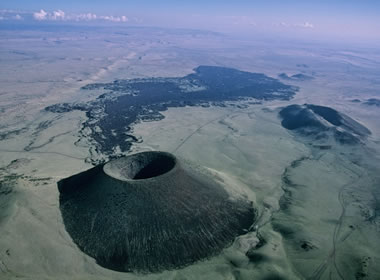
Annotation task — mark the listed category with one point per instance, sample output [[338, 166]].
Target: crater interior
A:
[[139, 166]]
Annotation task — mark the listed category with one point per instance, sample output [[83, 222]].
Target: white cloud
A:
[[307, 25], [114, 19], [5, 11], [284, 24], [41, 15], [57, 15], [303, 25], [61, 15], [85, 17], [18, 17]]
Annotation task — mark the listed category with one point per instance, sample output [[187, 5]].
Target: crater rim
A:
[[141, 166]]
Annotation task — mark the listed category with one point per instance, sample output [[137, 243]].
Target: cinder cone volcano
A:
[[150, 212]]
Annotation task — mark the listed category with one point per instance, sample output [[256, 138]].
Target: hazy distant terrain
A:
[[294, 127]]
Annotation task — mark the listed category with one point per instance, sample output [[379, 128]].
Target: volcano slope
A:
[[322, 123], [150, 212]]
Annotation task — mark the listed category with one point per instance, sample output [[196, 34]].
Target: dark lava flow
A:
[[126, 101], [150, 212]]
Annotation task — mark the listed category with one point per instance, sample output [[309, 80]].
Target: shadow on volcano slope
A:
[[150, 212], [321, 123]]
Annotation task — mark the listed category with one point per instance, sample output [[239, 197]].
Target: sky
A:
[[354, 19]]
